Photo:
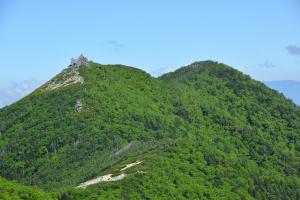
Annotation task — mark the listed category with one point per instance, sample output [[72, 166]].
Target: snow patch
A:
[[108, 177], [105, 178], [131, 165]]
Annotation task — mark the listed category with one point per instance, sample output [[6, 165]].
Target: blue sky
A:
[[38, 38]]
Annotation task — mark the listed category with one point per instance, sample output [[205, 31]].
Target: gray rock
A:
[[78, 106], [76, 63]]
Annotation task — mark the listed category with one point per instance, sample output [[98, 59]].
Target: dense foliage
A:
[[205, 131], [14, 191]]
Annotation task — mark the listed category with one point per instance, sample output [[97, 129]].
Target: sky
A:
[[38, 38]]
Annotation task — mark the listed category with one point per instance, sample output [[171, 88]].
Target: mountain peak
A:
[[69, 76], [191, 70], [76, 63], [202, 63]]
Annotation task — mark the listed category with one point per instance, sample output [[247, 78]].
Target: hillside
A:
[[205, 131], [14, 191]]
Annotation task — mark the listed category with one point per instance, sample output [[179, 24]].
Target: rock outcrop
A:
[[76, 63], [68, 76], [78, 106]]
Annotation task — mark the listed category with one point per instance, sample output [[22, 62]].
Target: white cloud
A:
[[14, 91], [163, 70]]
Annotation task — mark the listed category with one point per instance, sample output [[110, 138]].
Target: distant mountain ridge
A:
[[289, 88]]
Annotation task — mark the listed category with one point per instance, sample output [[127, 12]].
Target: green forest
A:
[[204, 131]]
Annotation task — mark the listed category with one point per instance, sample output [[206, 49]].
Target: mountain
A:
[[290, 89], [205, 131]]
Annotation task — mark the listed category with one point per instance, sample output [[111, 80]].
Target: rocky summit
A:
[[76, 63]]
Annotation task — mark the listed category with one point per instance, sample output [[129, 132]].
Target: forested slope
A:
[[14, 191], [205, 131]]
